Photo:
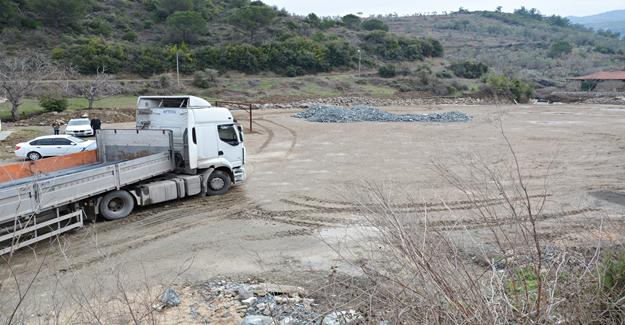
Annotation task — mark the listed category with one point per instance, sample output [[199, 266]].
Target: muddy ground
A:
[[298, 204]]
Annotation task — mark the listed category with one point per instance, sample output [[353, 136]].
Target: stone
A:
[[341, 317], [244, 292], [257, 320], [170, 298], [263, 289], [249, 301]]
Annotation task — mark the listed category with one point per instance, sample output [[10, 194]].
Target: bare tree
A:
[[99, 87], [19, 76]]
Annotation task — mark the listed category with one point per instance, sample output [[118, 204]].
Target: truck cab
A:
[[206, 138]]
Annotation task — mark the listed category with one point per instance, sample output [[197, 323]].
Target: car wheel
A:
[[116, 205], [33, 155]]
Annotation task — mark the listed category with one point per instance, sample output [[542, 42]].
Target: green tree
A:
[[313, 20], [148, 61], [560, 48], [351, 21], [387, 71], [93, 53], [168, 7], [186, 25], [374, 24], [8, 13], [469, 69], [253, 18], [59, 13]]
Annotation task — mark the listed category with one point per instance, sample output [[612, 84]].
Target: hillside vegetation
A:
[[485, 53], [525, 43], [143, 37]]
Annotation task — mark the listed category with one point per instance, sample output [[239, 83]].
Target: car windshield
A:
[[78, 122], [76, 139]]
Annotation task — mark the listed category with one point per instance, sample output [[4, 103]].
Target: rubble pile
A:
[[371, 101], [333, 114], [248, 303]]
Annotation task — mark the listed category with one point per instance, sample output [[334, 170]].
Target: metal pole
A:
[[177, 68], [250, 118], [359, 61]]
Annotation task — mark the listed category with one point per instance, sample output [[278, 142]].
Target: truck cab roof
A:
[[184, 101]]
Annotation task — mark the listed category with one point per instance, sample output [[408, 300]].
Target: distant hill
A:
[[613, 21], [520, 44]]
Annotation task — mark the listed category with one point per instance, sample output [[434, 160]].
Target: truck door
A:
[[230, 144]]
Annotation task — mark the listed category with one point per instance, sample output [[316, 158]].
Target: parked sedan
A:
[[52, 145], [80, 127]]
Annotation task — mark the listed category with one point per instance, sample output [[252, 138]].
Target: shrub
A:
[[58, 53], [351, 21], [130, 36], [205, 79], [94, 53], [53, 103], [391, 47], [387, 71], [374, 24], [559, 49], [148, 61], [469, 69], [512, 89]]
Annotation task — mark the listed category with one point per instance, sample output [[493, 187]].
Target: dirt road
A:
[[301, 189]]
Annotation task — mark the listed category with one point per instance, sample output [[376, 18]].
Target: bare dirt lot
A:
[[299, 201]]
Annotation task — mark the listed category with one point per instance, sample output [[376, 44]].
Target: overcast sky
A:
[[342, 7]]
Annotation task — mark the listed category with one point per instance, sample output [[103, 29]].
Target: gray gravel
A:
[[334, 114]]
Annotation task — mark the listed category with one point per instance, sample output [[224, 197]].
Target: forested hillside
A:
[[480, 53], [143, 36], [524, 43]]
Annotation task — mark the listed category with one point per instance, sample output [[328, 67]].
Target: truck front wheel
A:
[[116, 205], [219, 183]]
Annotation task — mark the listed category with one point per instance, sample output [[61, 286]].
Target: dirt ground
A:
[[297, 206]]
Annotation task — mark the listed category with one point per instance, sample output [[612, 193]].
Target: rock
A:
[[341, 317], [257, 320], [170, 298], [244, 292], [334, 114], [249, 301], [287, 321], [264, 288]]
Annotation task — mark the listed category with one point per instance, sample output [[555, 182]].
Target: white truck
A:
[[181, 147]]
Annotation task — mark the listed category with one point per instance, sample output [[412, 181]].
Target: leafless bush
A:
[[481, 260]]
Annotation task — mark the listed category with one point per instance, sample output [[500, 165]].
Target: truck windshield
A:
[[228, 134]]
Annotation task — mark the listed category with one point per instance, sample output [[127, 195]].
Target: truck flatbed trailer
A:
[[182, 147], [125, 157]]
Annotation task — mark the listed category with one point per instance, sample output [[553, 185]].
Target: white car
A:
[[79, 127], [52, 145]]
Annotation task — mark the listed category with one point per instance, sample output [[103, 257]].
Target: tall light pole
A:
[[177, 68], [359, 61]]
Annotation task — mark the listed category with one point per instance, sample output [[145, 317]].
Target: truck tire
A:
[[116, 205], [219, 183]]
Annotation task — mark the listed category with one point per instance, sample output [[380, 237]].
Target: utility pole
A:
[[177, 68], [359, 61]]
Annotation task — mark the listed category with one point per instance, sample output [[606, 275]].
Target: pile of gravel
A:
[[334, 114]]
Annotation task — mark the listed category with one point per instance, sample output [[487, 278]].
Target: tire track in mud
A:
[[270, 135], [150, 225], [293, 136], [422, 206]]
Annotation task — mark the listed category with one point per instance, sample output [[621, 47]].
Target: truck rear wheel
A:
[[116, 205], [219, 183]]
